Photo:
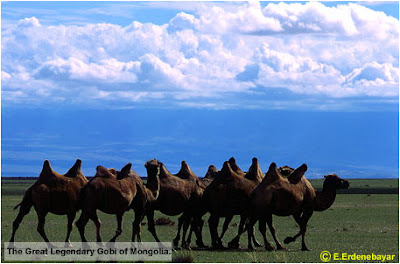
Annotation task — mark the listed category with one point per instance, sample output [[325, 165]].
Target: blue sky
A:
[[118, 82]]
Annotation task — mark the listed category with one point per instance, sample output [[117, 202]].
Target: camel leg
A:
[[186, 224], [181, 219], [24, 209], [136, 225], [253, 237], [151, 225], [303, 228], [236, 241], [71, 217], [40, 227], [97, 223], [192, 229], [198, 227], [119, 227], [228, 219], [302, 220], [213, 225], [250, 232], [272, 230], [262, 226], [81, 223]]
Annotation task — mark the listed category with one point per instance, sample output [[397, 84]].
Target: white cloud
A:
[[213, 54]]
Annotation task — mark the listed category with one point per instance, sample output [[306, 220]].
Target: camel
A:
[[178, 194], [54, 193], [229, 195], [113, 192], [287, 195]]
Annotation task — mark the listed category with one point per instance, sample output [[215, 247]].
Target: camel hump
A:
[[226, 169], [164, 172], [46, 167], [75, 169], [185, 172], [297, 174], [234, 166], [212, 172], [254, 173], [103, 172], [125, 171], [185, 167], [47, 172], [272, 174]]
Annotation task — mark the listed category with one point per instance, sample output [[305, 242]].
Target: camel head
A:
[[153, 167], [332, 181], [285, 170], [212, 172]]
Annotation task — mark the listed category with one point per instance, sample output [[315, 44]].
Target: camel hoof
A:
[[257, 244], [175, 243], [68, 245], [100, 244], [269, 247], [250, 248], [200, 244], [218, 246], [288, 240], [281, 248], [233, 245], [305, 249]]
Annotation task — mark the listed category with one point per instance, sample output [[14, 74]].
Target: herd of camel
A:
[[253, 195]]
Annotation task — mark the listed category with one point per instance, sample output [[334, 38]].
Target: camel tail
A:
[[26, 202], [18, 205]]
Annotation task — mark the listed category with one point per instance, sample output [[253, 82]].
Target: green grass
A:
[[356, 223]]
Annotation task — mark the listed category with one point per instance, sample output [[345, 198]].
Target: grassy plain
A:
[[364, 222]]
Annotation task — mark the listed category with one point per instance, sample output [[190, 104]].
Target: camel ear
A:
[[46, 168], [126, 169]]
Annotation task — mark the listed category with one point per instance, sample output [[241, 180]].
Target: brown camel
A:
[[177, 195], [229, 195], [290, 195], [113, 192], [54, 193]]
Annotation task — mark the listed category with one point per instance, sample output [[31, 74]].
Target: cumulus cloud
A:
[[212, 54]]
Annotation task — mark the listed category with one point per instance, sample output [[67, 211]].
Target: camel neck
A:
[[153, 184], [324, 199]]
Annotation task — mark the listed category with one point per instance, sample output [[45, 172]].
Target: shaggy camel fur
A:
[[290, 195], [54, 193], [228, 195], [113, 192], [177, 195]]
